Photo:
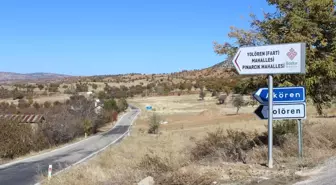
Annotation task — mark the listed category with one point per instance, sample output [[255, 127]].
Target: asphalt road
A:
[[322, 176], [27, 171]]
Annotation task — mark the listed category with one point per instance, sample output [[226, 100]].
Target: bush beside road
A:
[[65, 122]]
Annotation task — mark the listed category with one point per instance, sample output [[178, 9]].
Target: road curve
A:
[[27, 171]]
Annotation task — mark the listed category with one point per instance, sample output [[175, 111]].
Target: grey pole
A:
[[300, 138], [270, 121]]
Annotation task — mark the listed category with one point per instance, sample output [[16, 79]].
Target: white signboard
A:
[[283, 111], [271, 59]]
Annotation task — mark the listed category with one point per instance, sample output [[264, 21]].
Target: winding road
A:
[[27, 171]]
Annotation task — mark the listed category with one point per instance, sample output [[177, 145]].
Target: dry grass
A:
[[186, 112], [130, 161], [55, 97], [187, 176], [184, 152], [169, 159]]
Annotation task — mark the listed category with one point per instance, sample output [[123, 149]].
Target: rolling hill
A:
[[223, 69], [8, 77], [225, 64]]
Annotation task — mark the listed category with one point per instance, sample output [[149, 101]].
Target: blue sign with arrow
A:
[[282, 95]]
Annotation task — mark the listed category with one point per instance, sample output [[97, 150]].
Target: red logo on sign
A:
[[292, 54]]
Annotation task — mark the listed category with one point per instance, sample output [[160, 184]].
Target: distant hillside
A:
[[7, 77], [223, 69], [227, 64]]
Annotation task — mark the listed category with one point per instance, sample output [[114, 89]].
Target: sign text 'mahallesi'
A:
[[261, 58]]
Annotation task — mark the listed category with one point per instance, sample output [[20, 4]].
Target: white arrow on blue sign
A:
[[282, 95]]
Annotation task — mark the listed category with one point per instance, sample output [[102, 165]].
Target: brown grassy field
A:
[[166, 156], [187, 112], [41, 99]]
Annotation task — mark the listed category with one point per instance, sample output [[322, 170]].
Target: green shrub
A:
[[238, 102], [57, 103], [30, 100], [154, 124], [284, 127], [87, 126], [4, 106], [37, 106], [252, 103], [110, 105], [122, 105], [94, 86], [70, 90], [40, 86], [53, 87], [17, 95], [82, 87], [281, 130], [102, 95], [101, 120], [47, 104], [5, 93]]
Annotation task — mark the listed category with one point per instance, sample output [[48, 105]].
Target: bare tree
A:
[[202, 94], [238, 102]]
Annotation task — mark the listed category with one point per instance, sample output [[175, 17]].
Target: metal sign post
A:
[[270, 121], [300, 138]]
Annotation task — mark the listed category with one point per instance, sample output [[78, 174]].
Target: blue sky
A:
[[82, 37]]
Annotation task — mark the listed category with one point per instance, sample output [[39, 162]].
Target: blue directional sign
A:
[[282, 95], [149, 107]]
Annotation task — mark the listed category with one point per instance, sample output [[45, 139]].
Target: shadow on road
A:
[[120, 129]]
